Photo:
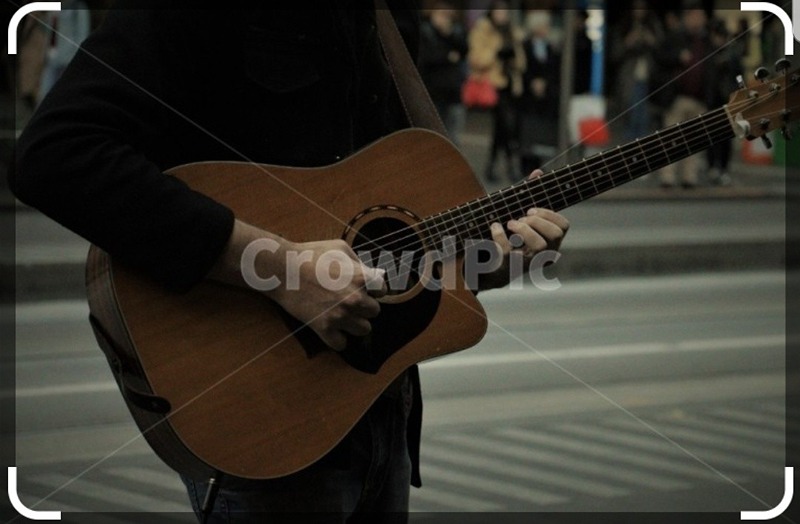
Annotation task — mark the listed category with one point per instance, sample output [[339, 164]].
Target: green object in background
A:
[[784, 154]]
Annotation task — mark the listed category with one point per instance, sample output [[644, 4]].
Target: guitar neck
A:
[[590, 177]]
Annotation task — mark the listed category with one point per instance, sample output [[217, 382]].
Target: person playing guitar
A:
[[157, 87]]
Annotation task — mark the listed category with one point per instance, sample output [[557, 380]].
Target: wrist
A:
[[251, 255]]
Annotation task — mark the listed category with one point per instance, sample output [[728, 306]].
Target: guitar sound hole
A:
[[391, 244]]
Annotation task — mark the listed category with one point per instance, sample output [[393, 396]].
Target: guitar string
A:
[[615, 160], [583, 177], [713, 125]]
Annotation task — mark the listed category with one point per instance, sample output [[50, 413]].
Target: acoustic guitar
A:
[[222, 380]]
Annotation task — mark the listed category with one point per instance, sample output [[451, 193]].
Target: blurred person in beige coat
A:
[[496, 54]]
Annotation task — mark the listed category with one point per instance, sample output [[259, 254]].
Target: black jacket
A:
[[154, 89]]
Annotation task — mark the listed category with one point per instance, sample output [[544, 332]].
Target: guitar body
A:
[[233, 385]]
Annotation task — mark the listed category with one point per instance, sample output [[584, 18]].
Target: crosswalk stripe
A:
[[532, 475], [779, 409], [564, 462], [616, 454], [700, 434], [718, 426], [759, 436], [432, 498], [755, 418], [488, 485], [711, 454], [696, 436], [109, 498], [161, 480]]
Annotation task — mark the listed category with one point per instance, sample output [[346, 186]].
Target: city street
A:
[[620, 394], [649, 377]]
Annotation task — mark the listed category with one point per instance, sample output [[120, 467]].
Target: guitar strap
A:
[[417, 103]]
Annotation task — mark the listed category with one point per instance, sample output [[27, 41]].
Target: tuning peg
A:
[[787, 133], [782, 65], [761, 74], [740, 81], [767, 142]]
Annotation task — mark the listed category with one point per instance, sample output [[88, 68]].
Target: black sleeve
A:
[[92, 156]]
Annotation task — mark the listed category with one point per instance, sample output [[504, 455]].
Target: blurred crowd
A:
[[662, 66]]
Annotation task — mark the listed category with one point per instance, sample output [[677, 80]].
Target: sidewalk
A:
[[637, 233]]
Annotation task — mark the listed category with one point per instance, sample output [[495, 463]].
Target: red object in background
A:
[[756, 153], [478, 93], [593, 131]]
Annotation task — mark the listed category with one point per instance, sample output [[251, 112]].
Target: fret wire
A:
[[659, 136], [478, 226], [679, 127], [518, 192], [620, 174], [563, 201], [710, 141], [656, 139], [594, 166], [715, 123], [622, 170], [583, 177], [576, 184], [618, 162], [495, 215], [498, 214], [526, 194], [552, 190], [429, 226], [644, 155], [557, 183], [658, 157], [635, 167], [468, 222], [679, 142], [478, 215], [570, 187], [538, 182], [591, 176], [610, 156]]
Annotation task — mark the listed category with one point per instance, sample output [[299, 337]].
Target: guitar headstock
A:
[[771, 103]]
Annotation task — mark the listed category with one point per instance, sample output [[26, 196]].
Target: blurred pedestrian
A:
[[496, 53], [725, 65], [582, 80], [32, 44], [442, 64], [540, 98], [683, 56], [66, 29], [633, 50]]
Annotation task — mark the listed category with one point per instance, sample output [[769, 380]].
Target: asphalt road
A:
[[662, 394]]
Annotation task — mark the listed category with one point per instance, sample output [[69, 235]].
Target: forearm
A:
[[229, 268]]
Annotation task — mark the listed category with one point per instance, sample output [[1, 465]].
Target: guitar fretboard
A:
[[575, 183]]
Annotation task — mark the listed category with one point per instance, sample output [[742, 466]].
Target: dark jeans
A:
[[369, 484]]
